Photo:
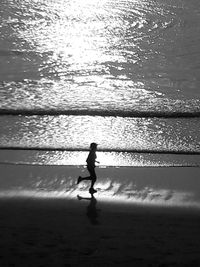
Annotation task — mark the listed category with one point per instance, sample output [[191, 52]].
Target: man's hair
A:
[[93, 145]]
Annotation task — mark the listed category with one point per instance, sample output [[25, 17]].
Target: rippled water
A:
[[122, 73]]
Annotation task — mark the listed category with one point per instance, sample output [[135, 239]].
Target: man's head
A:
[[93, 146]]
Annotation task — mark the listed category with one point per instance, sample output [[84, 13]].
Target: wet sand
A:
[[46, 219], [91, 232]]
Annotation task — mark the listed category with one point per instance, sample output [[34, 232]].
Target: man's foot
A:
[[92, 191], [79, 180], [79, 198]]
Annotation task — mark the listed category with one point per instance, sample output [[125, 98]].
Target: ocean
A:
[[124, 74]]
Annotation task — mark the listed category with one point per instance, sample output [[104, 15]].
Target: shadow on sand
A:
[[92, 211]]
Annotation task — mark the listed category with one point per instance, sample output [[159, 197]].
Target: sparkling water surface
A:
[[73, 72]]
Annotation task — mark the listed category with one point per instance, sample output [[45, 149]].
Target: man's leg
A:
[[80, 179], [93, 178]]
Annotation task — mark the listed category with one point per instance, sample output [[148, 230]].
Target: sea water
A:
[[122, 73]]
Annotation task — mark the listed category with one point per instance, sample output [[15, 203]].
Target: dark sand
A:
[[72, 232]]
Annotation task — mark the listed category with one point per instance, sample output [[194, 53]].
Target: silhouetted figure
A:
[[91, 159], [92, 211]]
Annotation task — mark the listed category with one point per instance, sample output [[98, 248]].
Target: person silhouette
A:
[[91, 159]]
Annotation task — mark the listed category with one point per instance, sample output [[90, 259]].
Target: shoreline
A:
[[162, 186], [139, 216]]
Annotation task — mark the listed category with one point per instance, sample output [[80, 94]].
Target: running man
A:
[[91, 159]]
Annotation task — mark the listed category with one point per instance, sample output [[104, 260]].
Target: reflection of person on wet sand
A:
[[91, 159], [92, 211]]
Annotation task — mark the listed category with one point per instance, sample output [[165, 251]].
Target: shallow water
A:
[[148, 186], [124, 74]]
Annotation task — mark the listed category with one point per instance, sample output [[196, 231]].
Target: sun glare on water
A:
[[74, 32], [89, 58]]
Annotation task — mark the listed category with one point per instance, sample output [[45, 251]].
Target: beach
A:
[[53, 228], [60, 233], [122, 74]]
